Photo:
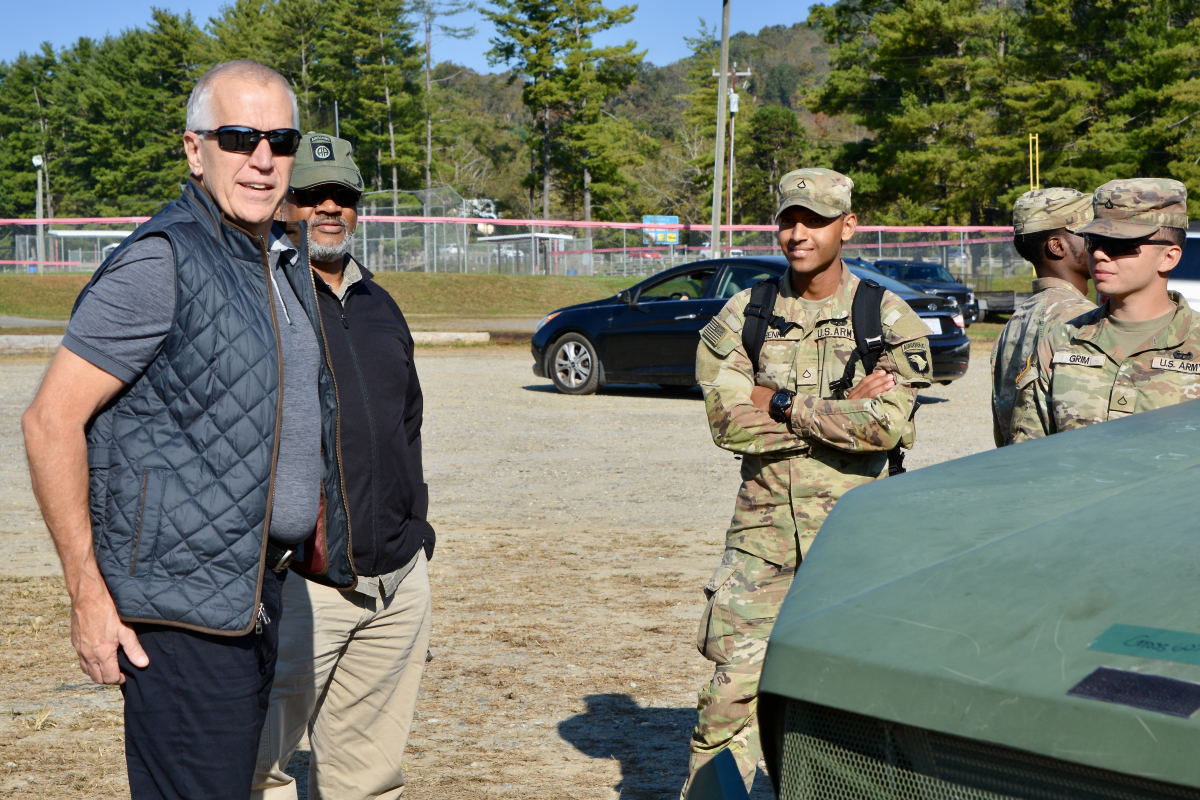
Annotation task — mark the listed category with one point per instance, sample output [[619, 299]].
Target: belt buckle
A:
[[278, 557]]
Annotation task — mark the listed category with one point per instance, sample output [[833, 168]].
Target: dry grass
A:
[[60, 736]]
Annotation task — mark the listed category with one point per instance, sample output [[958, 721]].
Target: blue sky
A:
[[659, 25]]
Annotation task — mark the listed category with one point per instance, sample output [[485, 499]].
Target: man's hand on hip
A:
[[54, 424], [97, 631]]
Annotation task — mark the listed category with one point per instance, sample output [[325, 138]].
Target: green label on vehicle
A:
[[1134, 640]]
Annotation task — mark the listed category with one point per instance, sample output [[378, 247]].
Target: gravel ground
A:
[[574, 536]]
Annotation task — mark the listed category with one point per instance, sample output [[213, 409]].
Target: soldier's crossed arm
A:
[[1032, 417], [874, 424], [726, 377]]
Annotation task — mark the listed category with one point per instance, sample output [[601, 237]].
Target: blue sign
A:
[[660, 235]]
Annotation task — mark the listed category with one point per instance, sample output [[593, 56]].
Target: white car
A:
[[1185, 278]]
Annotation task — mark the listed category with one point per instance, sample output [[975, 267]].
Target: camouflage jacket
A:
[[1080, 376], [1054, 302], [793, 473]]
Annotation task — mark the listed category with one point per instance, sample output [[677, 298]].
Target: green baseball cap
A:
[[324, 159], [1050, 209], [821, 190], [1131, 209]]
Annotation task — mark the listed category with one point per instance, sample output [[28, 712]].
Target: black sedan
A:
[[931, 278], [649, 332]]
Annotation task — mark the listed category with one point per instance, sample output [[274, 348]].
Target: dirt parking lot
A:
[[574, 536]]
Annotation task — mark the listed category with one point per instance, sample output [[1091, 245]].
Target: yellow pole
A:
[[1035, 166]]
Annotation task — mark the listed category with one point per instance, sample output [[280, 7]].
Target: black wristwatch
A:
[[781, 402]]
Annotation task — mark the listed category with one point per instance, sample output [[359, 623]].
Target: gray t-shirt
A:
[[122, 323]]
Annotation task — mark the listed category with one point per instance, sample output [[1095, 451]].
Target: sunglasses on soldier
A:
[[316, 195], [240, 139], [1118, 248]]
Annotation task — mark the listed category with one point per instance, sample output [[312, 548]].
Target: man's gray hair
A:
[[199, 105]]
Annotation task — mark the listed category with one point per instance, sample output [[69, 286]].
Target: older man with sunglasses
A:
[[183, 444], [350, 662], [1141, 349]]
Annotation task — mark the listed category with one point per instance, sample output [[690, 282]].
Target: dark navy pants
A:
[[193, 717]]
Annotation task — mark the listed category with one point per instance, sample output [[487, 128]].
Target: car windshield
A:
[[924, 272], [688, 286]]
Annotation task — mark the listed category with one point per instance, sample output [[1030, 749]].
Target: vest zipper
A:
[[338, 443], [262, 556]]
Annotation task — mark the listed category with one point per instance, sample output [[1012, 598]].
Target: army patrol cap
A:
[[324, 159], [1051, 209], [1137, 207], [821, 190]]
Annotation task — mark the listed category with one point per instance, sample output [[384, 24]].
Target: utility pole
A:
[[733, 110], [719, 154], [38, 161]]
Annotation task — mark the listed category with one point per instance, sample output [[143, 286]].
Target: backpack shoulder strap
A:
[[758, 313], [868, 333]]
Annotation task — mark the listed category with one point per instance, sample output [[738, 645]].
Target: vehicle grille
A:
[[838, 755]]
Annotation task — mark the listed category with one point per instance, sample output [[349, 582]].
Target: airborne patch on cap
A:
[[322, 151]]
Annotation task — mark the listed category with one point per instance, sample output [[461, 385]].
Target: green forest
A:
[[926, 104]]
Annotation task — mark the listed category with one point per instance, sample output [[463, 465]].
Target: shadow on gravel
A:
[[928, 401], [629, 390], [650, 744]]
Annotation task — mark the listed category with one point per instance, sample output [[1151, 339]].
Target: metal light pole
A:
[[719, 153], [38, 161], [733, 110]]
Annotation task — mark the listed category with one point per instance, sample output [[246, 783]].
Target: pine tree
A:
[[373, 71], [774, 145]]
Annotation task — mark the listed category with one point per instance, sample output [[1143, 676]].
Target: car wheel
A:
[[573, 366]]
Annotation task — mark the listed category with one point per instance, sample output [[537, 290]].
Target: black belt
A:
[[279, 556]]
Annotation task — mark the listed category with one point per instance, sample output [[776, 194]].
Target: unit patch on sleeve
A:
[[1176, 365], [1078, 359]]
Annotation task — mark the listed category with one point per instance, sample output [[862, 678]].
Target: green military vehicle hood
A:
[[962, 599]]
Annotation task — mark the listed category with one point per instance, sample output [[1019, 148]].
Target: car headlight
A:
[[546, 319], [970, 297]]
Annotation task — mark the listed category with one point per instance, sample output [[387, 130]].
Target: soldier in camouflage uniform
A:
[[1044, 225], [799, 454], [1138, 351]]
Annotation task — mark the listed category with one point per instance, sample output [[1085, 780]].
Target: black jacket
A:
[[370, 350]]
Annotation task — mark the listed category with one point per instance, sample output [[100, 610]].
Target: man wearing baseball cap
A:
[[350, 661], [1141, 349], [1044, 225], [806, 436]]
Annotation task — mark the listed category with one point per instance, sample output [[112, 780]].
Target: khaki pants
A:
[[349, 669]]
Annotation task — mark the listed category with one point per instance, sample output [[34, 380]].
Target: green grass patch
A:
[[40, 296], [475, 296], [464, 296]]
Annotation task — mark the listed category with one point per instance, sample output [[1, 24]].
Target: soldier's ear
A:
[[1055, 247]]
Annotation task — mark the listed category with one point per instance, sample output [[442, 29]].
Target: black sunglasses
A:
[[1117, 248], [240, 139], [316, 195]]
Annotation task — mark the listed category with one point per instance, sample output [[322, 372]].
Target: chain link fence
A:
[[423, 243]]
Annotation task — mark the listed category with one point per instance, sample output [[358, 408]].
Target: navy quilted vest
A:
[[182, 461]]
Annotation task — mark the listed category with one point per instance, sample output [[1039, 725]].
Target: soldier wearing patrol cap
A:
[[1044, 225], [803, 442], [1138, 351]]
